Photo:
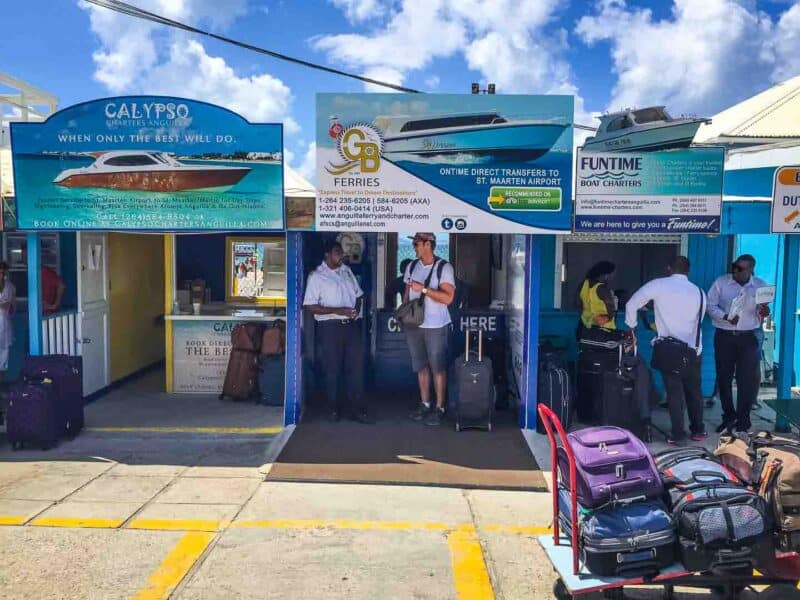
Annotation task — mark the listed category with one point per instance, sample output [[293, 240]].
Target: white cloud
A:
[[511, 43], [358, 11], [308, 168], [139, 57], [705, 56]]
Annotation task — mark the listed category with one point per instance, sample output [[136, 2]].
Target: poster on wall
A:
[[786, 201], [673, 191], [148, 163], [444, 162], [516, 284], [201, 352]]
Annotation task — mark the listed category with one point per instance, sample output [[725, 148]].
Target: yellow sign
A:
[[360, 147], [786, 201]]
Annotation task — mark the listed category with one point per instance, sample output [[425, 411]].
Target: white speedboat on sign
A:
[[476, 134], [645, 129]]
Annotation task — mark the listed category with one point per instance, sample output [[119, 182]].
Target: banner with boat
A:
[[444, 162], [672, 191], [148, 163]]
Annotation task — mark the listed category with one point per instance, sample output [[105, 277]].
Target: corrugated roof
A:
[[772, 114]]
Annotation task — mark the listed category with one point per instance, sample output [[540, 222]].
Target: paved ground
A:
[[148, 513]]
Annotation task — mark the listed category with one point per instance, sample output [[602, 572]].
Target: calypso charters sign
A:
[[148, 163]]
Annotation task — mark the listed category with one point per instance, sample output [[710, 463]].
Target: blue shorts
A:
[[428, 348]]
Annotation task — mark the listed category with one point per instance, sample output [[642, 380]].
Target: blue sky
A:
[[695, 56]]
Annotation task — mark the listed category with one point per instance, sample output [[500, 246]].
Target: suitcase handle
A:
[[467, 335], [550, 422]]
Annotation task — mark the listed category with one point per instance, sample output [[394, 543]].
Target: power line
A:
[[133, 11]]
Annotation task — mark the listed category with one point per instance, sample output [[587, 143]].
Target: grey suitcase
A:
[[474, 378]]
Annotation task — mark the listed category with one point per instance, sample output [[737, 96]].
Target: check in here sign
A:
[[786, 201]]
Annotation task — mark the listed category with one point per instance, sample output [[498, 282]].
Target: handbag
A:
[[673, 356], [412, 312]]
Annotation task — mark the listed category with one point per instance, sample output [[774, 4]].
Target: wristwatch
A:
[[425, 290]]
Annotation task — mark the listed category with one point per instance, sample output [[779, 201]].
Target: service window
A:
[[638, 259], [255, 269], [15, 254]]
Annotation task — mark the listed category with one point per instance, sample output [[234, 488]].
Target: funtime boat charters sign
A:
[[148, 163], [480, 164], [673, 191]]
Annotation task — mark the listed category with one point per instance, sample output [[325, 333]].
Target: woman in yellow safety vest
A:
[[597, 301]]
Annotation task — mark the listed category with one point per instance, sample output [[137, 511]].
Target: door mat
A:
[[399, 451]]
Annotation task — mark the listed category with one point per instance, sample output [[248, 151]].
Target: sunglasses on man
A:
[[736, 268]]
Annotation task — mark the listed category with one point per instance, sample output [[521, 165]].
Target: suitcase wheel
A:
[[560, 591], [458, 427], [489, 427]]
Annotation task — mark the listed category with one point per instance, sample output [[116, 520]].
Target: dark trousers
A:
[[342, 358], [737, 354], [685, 389]]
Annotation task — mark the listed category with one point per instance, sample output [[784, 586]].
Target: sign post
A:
[[785, 219]]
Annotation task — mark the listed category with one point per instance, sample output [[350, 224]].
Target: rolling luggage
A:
[[723, 527], [33, 415], [592, 365], [612, 465], [770, 464], [241, 377], [474, 380], [273, 339], [627, 540], [555, 391], [66, 372], [271, 379]]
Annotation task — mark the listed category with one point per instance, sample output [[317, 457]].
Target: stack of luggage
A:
[[257, 363], [47, 403], [721, 524], [769, 464], [624, 528]]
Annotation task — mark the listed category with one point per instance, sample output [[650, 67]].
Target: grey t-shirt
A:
[[436, 314]]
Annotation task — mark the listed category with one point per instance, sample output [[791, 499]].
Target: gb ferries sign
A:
[[786, 201]]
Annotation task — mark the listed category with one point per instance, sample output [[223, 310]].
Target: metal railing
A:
[[60, 334]]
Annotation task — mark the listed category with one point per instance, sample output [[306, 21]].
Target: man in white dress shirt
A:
[[733, 309], [334, 297], [677, 302]]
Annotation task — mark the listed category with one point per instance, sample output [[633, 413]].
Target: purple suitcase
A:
[[612, 464], [33, 415], [67, 375]]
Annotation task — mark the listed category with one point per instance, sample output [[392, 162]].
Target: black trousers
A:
[[342, 360], [685, 390], [737, 354]]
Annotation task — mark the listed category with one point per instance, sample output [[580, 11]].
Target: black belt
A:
[[736, 331], [337, 321]]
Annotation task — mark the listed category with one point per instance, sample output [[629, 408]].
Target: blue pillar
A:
[[294, 319], [788, 323], [531, 359], [34, 294]]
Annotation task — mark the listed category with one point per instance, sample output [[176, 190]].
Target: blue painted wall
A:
[[68, 251]]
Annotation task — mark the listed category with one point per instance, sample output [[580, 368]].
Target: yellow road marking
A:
[[78, 522], [519, 529], [177, 525], [469, 569], [174, 567], [220, 430], [9, 520], [340, 524]]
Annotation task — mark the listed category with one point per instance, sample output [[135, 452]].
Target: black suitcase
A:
[[271, 379], [592, 365], [723, 527], [66, 373], [617, 404], [474, 378], [554, 391], [34, 416]]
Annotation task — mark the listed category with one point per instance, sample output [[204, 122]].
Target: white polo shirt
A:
[[436, 314], [676, 302], [721, 296], [332, 288]]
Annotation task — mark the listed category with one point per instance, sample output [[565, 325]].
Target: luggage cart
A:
[[575, 580]]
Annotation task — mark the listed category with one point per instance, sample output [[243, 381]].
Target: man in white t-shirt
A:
[[428, 342], [334, 297]]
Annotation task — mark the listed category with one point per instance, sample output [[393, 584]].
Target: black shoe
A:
[[420, 413], [334, 416], [436, 417], [362, 417], [725, 425], [676, 441], [663, 404]]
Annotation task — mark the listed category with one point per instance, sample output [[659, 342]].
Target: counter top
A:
[[223, 312]]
